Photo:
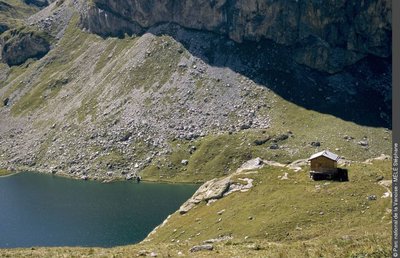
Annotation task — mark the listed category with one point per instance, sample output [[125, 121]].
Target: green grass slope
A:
[[12, 12], [297, 217], [221, 154]]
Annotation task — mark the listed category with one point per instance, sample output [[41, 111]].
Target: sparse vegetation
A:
[[4, 172], [217, 155], [14, 11]]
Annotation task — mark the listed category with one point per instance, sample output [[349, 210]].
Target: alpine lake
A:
[[47, 210]]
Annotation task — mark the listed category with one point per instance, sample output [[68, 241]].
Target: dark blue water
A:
[[43, 210]]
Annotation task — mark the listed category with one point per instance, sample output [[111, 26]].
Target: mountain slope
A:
[[12, 13], [186, 103], [140, 104]]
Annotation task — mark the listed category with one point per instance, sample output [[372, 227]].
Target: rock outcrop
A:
[[211, 190], [38, 3], [328, 36], [20, 45], [3, 27], [215, 189]]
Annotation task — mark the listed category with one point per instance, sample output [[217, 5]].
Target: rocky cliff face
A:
[[22, 44], [329, 35]]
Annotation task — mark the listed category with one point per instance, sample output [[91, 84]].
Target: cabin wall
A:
[[323, 164]]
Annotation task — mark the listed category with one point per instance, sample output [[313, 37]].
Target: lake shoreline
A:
[[6, 173], [104, 180]]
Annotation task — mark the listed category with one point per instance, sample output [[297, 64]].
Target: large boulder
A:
[[251, 165], [213, 189], [21, 44]]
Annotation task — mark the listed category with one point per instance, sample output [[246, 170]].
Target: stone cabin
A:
[[323, 166]]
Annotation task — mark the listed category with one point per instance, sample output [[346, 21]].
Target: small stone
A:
[[321, 213], [282, 137], [261, 141], [274, 146], [185, 162], [348, 138], [206, 247], [285, 176], [220, 212], [245, 126], [372, 197], [315, 144], [363, 143], [153, 254], [142, 253]]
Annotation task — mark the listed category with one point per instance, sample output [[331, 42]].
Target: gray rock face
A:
[[213, 189], [20, 46], [329, 36], [252, 164]]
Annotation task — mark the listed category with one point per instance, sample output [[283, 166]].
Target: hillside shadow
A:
[[360, 94]]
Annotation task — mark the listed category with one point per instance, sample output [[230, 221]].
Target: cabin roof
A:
[[325, 153]]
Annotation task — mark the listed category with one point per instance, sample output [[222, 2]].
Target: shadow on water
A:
[[361, 93]]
